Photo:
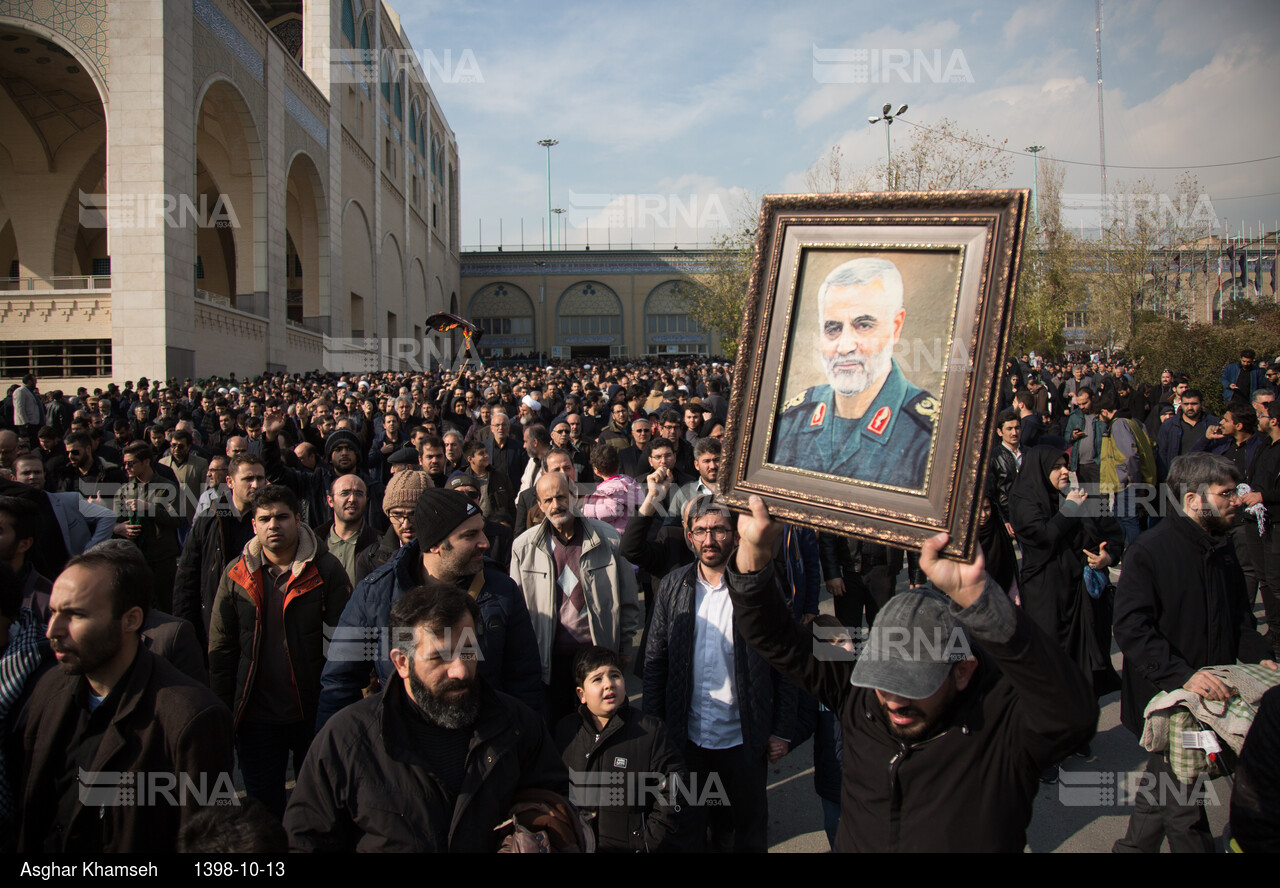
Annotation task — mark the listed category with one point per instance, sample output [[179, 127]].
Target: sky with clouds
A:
[[668, 114]]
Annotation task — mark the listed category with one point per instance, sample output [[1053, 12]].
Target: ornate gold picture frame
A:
[[867, 377]]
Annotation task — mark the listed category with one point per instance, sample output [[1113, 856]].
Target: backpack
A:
[[1110, 459]]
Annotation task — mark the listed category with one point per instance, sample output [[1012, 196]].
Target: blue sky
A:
[[668, 113]]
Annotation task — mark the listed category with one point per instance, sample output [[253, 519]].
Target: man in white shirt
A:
[[723, 706]]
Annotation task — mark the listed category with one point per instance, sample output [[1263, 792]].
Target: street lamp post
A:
[[888, 145], [560, 211], [548, 143], [1035, 182]]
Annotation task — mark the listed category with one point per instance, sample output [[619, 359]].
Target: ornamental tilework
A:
[[589, 298], [501, 301], [82, 22], [299, 111], [213, 19]]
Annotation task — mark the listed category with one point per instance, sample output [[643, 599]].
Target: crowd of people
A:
[[422, 594]]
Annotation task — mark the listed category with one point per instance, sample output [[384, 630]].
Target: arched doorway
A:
[[505, 313], [307, 244], [230, 200], [589, 322]]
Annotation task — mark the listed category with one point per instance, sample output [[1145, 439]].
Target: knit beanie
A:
[[341, 436], [438, 514], [403, 490]]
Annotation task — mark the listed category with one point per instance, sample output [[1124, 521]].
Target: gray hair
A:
[[1193, 472], [862, 273]]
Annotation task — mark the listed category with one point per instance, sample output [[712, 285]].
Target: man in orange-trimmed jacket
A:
[[273, 616]]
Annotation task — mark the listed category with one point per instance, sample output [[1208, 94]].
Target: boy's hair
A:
[[592, 658]]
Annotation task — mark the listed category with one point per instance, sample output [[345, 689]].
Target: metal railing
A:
[[58, 282]]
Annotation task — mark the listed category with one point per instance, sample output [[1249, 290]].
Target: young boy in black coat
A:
[[622, 766]]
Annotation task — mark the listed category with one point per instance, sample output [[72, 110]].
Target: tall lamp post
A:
[[1035, 182], [888, 145], [547, 143], [560, 211]]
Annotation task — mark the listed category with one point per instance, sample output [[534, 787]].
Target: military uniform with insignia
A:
[[889, 444]]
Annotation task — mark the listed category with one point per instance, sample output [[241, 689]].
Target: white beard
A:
[[855, 381]]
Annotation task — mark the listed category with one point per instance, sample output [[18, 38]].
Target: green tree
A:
[[719, 296], [1202, 350]]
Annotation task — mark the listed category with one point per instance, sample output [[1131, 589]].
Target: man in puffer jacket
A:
[[273, 616]]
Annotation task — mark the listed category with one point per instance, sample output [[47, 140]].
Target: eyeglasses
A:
[[719, 533], [1229, 495], [400, 517]]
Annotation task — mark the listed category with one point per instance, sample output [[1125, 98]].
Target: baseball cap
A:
[[911, 648]]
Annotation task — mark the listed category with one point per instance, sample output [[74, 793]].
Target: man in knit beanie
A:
[[398, 502], [450, 545]]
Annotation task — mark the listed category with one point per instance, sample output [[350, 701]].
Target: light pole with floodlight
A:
[[547, 143], [1035, 182], [888, 147]]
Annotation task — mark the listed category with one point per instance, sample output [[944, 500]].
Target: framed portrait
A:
[[868, 373]]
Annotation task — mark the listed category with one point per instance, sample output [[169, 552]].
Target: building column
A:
[[151, 152]]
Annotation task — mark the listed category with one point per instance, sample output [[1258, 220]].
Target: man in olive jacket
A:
[[272, 620]]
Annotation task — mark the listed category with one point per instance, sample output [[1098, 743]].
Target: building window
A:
[[56, 359], [349, 22], [506, 326], [591, 325]]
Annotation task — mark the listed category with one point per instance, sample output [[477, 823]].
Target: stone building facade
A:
[[195, 187]]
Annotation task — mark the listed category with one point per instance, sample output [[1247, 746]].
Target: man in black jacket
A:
[[1006, 460], [1182, 606], [722, 704], [940, 753], [434, 761], [217, 538]]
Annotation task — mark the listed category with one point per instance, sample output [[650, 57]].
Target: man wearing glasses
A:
[[723, 706], [631, 459], [1181, 607]]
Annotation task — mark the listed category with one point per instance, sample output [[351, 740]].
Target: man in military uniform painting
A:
[[868, 423]]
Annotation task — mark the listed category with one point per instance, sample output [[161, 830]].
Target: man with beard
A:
[[723, 706], [952, 709], [217, 538], [348, 535], [433, 762], [868, 423], [114, 707], [342, 457], [1182, 606], [449, 544], [432, 459], [579, 590]]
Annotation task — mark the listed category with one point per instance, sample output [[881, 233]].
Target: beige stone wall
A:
[[203, 84]]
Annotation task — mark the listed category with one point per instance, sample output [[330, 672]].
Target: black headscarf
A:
[[1033, 499], [997, 548]]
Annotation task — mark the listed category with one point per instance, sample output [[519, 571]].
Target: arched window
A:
[[349, 22], [386, 79], [413, 123], [397, 103]]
